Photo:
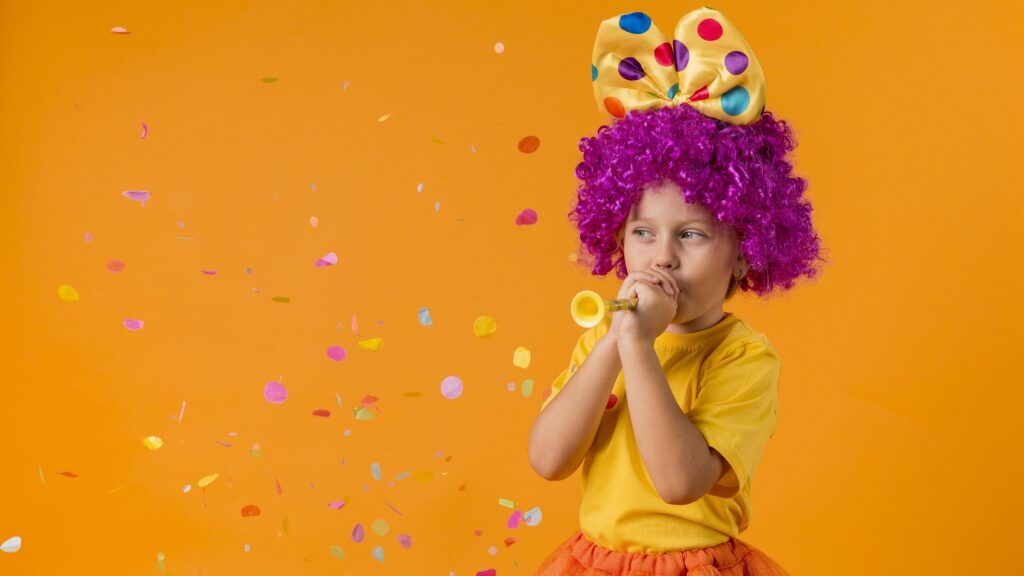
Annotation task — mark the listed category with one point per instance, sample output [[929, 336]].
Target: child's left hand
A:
[[657, 306]]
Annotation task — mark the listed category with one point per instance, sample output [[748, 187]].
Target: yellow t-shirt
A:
[[725, 379]]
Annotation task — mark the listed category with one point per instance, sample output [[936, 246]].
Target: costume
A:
[[724, 378]]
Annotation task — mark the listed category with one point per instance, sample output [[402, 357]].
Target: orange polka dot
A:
[[614, 107]]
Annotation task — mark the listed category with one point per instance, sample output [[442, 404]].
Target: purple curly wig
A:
[[739, 173]]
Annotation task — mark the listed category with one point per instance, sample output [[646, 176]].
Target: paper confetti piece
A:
[[187, 489], [363, 414], [68, 474], [152, 442], [384, 117], [499, 47], [88, 236], [145, 130], [397, 511], [67, 293], [424, 317], [378, 553], [357, 533], [529, 144], [526, 217], [484, 326], [140, 196], [42, 477], [207, 480], [286, 525], [380, 527], [246, 548], [336, 353], [344, 86], [115, 265], [510, 504], [322, 413], [336, 504], [281, 299], [313, 221], [182, 413], [532, 516], [337, 552], [255, 451], [268, 79], [372, 344], [419, 187], [437, 206], [375, 471], [514, 519], [208, 272], [405, 540], [509, 541], [160, 562], [329, 260], [354, 325], [277, 487], [250, 510], [521, 357], [488, 572], [275, 392], [451, 387], [11, 545], [119, 30], [133, 323], [527, 387]]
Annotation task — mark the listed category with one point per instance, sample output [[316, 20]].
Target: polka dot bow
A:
[[707, 65]]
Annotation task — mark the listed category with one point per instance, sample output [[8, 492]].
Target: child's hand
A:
[[657, 292]]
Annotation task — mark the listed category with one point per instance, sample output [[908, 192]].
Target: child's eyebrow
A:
[[680, 223]]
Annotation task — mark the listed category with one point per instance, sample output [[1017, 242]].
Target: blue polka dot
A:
[[635, 22], [673, 91], [593, 73], [735, 101]]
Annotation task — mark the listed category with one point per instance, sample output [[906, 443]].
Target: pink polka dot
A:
[[709, 29], [663, 54]]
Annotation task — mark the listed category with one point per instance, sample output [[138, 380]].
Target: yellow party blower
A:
[[588, 308]]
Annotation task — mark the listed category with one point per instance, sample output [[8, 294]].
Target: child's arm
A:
[[563, 432], [673, 450]]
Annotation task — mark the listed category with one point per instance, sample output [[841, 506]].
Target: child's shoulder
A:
[[742, 339]]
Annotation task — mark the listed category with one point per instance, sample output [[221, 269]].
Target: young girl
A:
[[689, 196]]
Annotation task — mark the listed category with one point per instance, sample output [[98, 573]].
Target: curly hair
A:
[[739, 173]]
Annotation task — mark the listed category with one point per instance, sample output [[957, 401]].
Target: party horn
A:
[[589, 308]]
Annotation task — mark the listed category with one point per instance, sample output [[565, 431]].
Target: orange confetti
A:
[[529, 144], [250, 510]]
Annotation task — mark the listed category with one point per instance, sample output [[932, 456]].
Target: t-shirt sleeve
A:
[[584, 344], [736, 408]]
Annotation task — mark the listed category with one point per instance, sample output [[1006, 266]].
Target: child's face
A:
[[686, 241]]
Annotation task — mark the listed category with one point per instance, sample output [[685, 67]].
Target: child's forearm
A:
[[672, 449], [564, 431]]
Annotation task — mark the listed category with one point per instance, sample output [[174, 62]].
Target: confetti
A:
[[255, 451], [11, 545], [372, 344], [354, 325], [484, 326], [336, 505], [384, 117], [88, 237], [133, 323], [182, 413], [529, 144], [375, 471], [437, 206], [405, 540], [277, 487], [527, 387], [357, 533], [140, 196], [145, 130], [344, 86], [250, 510], [313, 221], [378, 553], [521, 357], [329, 260], [152, 442], [514, 519], [268, 79], [424, 317], [207, 480], [532, 516], [451, 387], [115, 265], [68, 474], [67, 293], [274, 392], [281, 299], [322, 413], [187, 489], [119, 30], [526, 217], [499, 47], [510, 504], [337, 552], [42, 477], [380, 527], [208, 272], [419, 187]]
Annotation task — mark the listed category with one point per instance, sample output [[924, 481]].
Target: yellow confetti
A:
[[380, 527], [286, 525], [484, 326], [510, 504], [67, 293], [521, 357], [364, 413], [384, 117], [207, 480], [152, 442], [423, 476], [371, 344]]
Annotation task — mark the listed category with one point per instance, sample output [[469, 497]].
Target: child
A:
[[688, 196]]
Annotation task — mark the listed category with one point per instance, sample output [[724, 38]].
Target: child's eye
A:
[[638, 232], [692, 232]]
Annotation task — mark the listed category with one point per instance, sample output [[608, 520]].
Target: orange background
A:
[[900, 394]]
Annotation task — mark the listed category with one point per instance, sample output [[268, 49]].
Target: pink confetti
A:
[[336, 353], [336, 505], [88, 236], [115, 265], [145, 130], [274, 392], [329, 260], [357, 533], [133, 324], [355, 325], [513, 520], [208, 272], [141, 196], [405, 540], [488, 572], [119, 30], [277, 486], [526, 217]]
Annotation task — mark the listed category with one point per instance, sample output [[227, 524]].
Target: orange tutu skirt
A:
[[578, 556]]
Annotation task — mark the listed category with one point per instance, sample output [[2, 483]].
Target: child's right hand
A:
[[628, 290]]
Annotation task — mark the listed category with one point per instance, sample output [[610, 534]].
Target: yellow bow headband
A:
[[707, 65]]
